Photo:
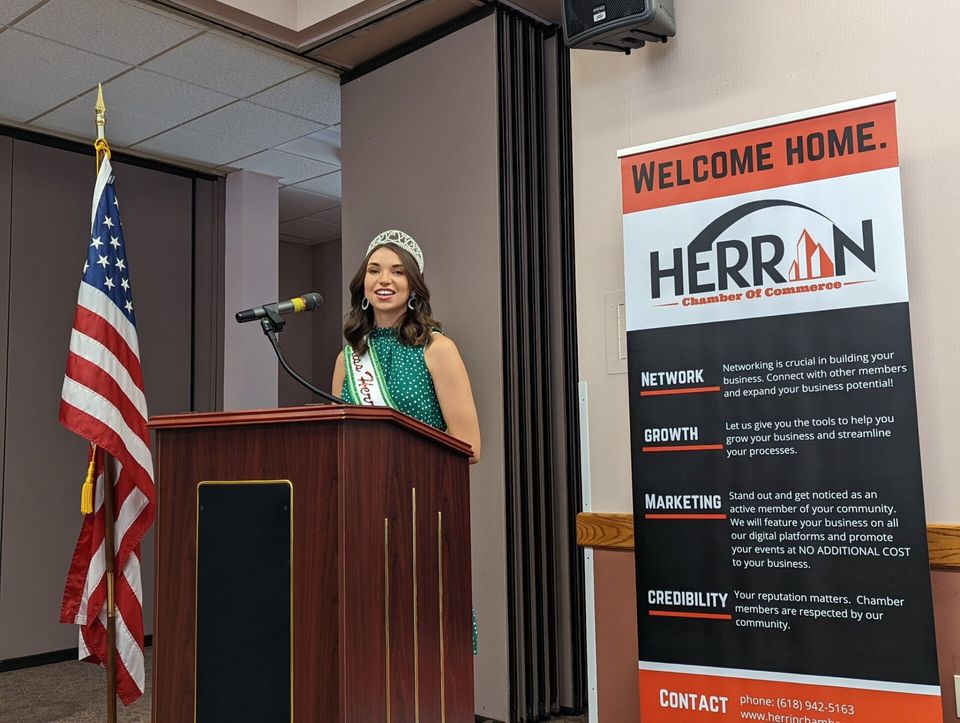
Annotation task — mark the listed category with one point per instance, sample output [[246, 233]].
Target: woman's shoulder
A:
[[440, 350], [440, 340]]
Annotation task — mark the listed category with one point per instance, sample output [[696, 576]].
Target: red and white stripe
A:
[[103, 401]]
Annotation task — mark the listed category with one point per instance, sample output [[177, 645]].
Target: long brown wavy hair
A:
[[415, 326]]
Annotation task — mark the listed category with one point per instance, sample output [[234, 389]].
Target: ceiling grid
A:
[[207, 84], [177, 89]]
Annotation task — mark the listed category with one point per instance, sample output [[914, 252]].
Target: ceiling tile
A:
[[314, 149], [331, 216], [139, 105], [10, 10], [192, 145], [310, 229], [39, 74], [295, 203], [227, 65], [328, 185], [285, 166], [313, 95], [119, 30], [253, 125]]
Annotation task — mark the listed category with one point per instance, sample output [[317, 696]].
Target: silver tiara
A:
[[401, 239]]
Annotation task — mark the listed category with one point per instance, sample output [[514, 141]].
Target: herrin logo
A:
[[709, 264], [813, 261]]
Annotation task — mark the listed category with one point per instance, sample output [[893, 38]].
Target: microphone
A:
[[307, 302]]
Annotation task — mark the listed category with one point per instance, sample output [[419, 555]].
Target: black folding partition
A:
[[544, 568]]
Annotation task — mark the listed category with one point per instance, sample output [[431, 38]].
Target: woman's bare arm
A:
[[338, 374], [453, 391]]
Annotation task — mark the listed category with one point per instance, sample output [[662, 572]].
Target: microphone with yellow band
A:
[[307, 302]]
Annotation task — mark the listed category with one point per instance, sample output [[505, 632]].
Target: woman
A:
[[395, 353]]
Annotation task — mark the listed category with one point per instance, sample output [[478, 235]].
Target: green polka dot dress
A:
[[407, 377]]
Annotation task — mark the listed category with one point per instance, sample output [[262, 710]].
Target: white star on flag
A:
[[96, 243], [108, 222]]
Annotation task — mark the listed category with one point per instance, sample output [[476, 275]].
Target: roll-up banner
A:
[[782, 570]]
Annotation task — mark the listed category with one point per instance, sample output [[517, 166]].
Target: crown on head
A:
[[401, 239]]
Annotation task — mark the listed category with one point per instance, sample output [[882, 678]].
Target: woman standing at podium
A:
[[396, 355]]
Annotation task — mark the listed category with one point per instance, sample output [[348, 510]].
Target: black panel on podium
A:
[[244, 634]]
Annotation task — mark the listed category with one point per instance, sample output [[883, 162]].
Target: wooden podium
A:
[[347, 526]]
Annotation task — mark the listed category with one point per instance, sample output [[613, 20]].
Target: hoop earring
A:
[[411, 302], [365, 304]]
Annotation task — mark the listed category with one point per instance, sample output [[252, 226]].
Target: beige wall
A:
[[419, 154], [740, 61], [743, 60]]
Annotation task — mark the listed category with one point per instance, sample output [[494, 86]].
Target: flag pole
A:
[[101, 146]]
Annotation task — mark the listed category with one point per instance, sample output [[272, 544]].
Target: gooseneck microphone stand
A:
[[272, 324]]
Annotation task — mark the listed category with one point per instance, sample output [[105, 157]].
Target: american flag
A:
[[103, 402]]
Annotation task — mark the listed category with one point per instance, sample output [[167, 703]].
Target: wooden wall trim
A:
[[944, 544], [605, 530], [614, 531]]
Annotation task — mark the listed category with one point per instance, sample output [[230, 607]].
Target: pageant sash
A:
[[365, 382]]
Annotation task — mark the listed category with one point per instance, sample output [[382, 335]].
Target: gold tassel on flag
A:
[[86, 492]]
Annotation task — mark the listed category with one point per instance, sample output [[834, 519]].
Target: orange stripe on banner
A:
[[684, 390], [827, 146], [684, 517], [683, 448], [682, 697], [674, 614]]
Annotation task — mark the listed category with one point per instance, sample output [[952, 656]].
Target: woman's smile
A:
[[386, 286]]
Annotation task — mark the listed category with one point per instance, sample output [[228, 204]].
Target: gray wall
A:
[[420, 154], [251, 274], [46, 193], [310, 342], [296, 277], [327, 326]]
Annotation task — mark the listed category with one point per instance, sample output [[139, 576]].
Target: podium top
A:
[[312, 413]]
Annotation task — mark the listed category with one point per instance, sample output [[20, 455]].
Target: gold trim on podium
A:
[[416, 631], [386, 610], [443, 697]]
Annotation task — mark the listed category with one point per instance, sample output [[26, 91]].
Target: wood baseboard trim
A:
[[614, 531]]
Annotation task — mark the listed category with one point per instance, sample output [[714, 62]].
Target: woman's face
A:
[[386, 286]]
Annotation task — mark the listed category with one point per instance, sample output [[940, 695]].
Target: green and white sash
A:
[[365, 382]]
